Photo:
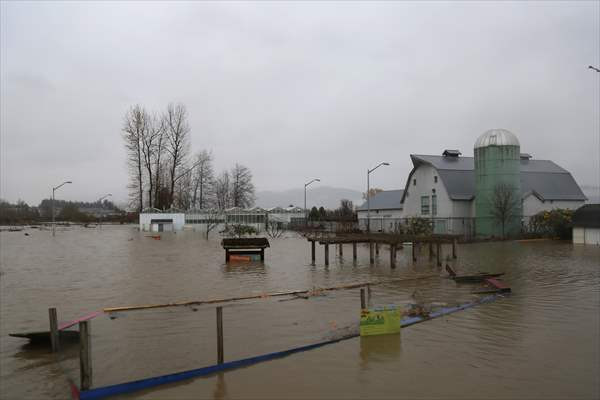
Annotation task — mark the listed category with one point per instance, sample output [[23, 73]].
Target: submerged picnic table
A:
[[245, 246]]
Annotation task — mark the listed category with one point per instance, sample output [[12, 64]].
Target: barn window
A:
[[424, 205], [435, 179]]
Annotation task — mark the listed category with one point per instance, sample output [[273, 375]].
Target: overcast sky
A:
[[294, 91]]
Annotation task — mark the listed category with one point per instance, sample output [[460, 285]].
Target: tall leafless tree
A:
[[134, 127], [203, 181], [177, 132], [222, 191], [151, 148], [242, 188], [504, 204]]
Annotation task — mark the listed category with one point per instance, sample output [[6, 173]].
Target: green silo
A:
[[497, 184]]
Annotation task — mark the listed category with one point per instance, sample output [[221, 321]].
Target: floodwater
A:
[[540, 342]]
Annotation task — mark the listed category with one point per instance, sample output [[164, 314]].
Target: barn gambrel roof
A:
[[542, 178]]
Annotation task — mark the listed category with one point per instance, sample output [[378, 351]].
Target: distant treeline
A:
[[345, 212], [73, 211]]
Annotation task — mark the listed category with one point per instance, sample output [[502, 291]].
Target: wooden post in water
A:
[[341, 249], [54, 334], [430, 250], [220, 335], [363, 302], [371, 256], [354, 251], [414, 254], [85, 354], [392, 256], [326, 253], [439, 254], [376, 248], [454, 248], [368, 294], [312, 252]]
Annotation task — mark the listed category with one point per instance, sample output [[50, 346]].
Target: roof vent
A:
[[525, 156], [451, 153]]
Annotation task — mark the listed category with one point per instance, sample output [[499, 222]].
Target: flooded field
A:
[[541, 342]]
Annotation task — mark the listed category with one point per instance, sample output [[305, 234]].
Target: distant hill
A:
[[591, 192], [326, 196]]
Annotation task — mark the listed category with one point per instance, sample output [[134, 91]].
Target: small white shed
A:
[[162, 222], [586, 225]]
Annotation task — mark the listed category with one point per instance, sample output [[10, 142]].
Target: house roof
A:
[[386, 200], [587, 216], [543, 178]]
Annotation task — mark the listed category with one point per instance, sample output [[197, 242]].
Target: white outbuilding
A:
[[586, 225], [162, 222]]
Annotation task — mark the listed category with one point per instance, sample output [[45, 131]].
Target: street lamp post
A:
[[54, 189], [100, 201], [369, 194], [305, 186]]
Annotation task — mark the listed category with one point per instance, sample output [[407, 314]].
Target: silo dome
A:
[[497, 137]]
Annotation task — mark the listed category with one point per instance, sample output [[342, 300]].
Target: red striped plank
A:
[[498, 284], [69, 324]]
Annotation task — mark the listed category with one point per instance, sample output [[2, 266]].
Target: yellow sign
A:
[[380, 321]]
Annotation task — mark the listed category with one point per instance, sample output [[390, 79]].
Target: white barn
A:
[[443, 188]]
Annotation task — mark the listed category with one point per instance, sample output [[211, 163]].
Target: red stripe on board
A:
[[69, 324], [74, 390]]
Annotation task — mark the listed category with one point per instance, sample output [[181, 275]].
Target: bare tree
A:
[[203, 181], [212, 219], [504, 204], [242, 188], [222, 191], [177, 134], [152, 139], [134, 126]]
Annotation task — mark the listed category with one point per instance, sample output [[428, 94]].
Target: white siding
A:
[[425, 182], [146, 225], [532, 205], [381, 220]]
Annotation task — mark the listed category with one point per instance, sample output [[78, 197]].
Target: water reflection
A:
[[380, 349]]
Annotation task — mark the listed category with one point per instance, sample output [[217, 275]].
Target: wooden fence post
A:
[[371, 256], [414, 254], [376, 248], [85, 354], [312, 251], [363, 302], [454, 248], [392, 256], [341, 249], [220, 335], [354, 251], [439, 254], [54, 334], [326, 253]]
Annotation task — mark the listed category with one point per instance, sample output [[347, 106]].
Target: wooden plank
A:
[[501, 286], [86, 317]]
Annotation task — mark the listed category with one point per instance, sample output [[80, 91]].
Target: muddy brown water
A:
[[540, 342]]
